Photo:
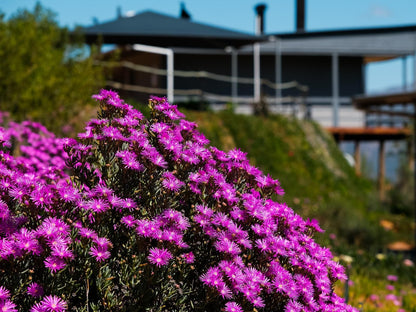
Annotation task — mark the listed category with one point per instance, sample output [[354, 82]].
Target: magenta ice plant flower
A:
[[100, 253], [35, 290], [4, 293], [132, 185], [53, 304], [159, 256], [392, 278], [233, 307], [54, 263], [7, 306]]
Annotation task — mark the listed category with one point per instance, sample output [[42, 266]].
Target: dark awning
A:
[[161, 30], [385, 103]]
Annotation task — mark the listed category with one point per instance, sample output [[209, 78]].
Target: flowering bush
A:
[[146, 216]]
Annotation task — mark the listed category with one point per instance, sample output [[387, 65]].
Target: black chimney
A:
[[184, 13], [260, 8], [300, 15], [119, 14]]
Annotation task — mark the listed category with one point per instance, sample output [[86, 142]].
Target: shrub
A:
[[42, 65], [152, 218]]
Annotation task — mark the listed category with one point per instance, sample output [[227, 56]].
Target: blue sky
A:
[[239, 15]]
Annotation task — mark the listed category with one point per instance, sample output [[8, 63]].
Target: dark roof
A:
[[370, 43], [347, 32], [157, 29], [362, 102]]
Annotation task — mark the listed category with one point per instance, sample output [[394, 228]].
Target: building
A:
[[190, 61]]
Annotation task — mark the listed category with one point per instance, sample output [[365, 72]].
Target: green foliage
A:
[[369, 279], [400, 198], [45, 73]]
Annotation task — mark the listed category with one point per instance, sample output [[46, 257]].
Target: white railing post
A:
[[335, 89], [170, 66], [278, 70], [257, 87], [170, 78]]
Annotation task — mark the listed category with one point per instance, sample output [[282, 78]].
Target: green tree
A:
[[47, 74]]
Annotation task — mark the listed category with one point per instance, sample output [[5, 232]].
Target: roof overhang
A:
[[169, 41], [373, 44], [385, 103]]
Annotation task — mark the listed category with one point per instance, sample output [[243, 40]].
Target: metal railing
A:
[[202, 94]]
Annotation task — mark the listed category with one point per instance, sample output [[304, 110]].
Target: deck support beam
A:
[[381, 169], [357, 158], [414, 178]]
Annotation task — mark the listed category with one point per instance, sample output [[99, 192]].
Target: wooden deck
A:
[[379, 134], [369, 134]]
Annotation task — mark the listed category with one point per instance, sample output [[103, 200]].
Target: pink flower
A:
[[85, 232], [159, 127], [54, 263], [213, 277], [102, 242], [129, 221], [7, 306], [171, 182], [224, 291], [129, 159], [233, 307], [54, 304], [112, 133], [374, 297], [159, 256], [99, 253], [62, 251], [392, 278], [35, 290], [391, 297], [258, 302], [227, 246], [38, 307], [97, 205], [4, 293], [189, 257]]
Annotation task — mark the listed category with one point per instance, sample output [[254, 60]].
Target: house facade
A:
[[317, 72]]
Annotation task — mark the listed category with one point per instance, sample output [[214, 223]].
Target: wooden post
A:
[[357, 158], [414, 176], [381, 169], [410, 157]]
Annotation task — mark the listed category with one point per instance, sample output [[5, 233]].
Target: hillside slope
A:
[[317, 179]]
